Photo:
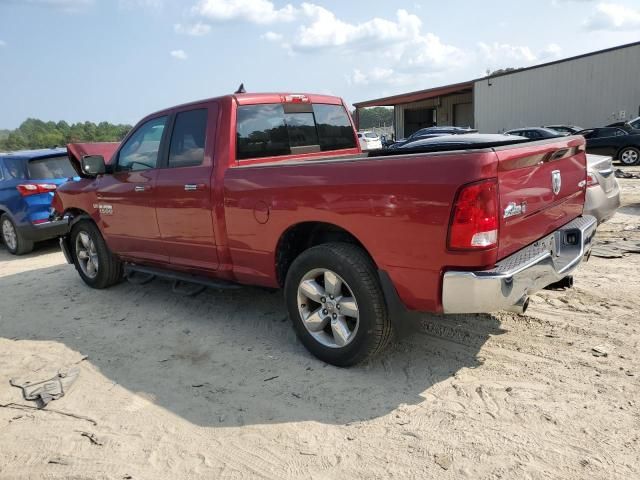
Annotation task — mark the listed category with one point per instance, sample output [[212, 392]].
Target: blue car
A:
[[28, 180]]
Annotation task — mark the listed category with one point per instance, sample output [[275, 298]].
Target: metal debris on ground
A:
[[46, 391], [614, 249], [619, 173]]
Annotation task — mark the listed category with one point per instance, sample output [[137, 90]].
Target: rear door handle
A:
[[139, 188], [192, 187]]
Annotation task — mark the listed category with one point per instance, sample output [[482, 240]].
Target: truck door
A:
[[126, 198], [184, 190]]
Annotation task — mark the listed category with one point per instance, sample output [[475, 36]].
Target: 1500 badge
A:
[[514, 209], [103, 208]]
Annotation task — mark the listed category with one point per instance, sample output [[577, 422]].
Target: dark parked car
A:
[[630, 125], [616, 142], [462, 142], [568, 129], [28, 180], [431, 132], [535, 133]]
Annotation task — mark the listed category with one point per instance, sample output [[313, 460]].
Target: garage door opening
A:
[[416, 119]]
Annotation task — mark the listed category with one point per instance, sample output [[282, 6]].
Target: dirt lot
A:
[[217, 386]]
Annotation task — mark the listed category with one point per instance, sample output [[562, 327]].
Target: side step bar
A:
[[179, 279]]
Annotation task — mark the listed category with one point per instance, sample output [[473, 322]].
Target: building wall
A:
[[589, 91], [443, 105]]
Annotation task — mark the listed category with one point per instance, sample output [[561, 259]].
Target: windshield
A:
[[635, 123], [52, 167]]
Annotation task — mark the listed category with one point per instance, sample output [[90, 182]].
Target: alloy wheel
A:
[[87, 254], [328, 308], [9, 235], [629, 157]]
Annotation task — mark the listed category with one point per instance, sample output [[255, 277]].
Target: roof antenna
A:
[[240, 89]]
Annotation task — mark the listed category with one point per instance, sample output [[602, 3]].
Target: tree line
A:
[[34, 133], [375, 117]]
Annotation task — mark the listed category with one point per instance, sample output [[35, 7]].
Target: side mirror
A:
[[93, 165]]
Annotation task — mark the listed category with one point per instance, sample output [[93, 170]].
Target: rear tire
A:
[[336, 304], [12, 238], [629, 156], [93, 260]]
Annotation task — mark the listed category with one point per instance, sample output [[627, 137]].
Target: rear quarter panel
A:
[[397, 207]]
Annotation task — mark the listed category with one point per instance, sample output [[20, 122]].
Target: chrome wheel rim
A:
[[9, 235], [87, 254], [328, 308], [629, 157]]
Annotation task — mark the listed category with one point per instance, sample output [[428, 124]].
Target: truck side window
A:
[[261, 131], [188, 138], [140, 151], [334, 128]]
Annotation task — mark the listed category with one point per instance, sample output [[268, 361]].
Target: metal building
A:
[[588, 90]]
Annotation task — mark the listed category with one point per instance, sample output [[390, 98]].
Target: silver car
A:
[[603, 191]]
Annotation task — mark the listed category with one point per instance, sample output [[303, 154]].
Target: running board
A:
[[179, 279]]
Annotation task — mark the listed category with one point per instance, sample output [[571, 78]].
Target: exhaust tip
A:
[[521, 306]]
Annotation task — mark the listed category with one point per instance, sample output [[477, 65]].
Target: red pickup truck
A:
[[273, 190]]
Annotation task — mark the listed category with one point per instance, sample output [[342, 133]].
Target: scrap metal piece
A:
[[46, 391]]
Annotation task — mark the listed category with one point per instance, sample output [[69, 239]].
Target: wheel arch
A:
[[301, 236]]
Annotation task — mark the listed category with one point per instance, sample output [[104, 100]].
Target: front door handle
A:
[[192, 187], [139, 188]]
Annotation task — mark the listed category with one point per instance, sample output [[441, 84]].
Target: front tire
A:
[[629, 156], [93, 260], [14, 241], [336, 304]]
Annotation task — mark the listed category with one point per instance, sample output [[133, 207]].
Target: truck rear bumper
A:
[[508, 285]]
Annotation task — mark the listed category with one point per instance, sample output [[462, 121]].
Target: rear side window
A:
[[54, 167], [281, 129], [261, 131], [188, 138], [334, 128], [15, 168]]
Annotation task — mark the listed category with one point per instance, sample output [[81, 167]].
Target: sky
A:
[[118, 60]]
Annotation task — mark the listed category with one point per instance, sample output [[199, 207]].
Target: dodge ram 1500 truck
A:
[[273, 190]]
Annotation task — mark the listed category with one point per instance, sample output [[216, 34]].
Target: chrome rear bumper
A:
[[508, 285]]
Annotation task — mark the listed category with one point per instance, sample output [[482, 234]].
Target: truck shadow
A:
[[231, 358]]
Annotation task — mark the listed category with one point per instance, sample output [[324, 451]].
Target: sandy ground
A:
[[217, 386]]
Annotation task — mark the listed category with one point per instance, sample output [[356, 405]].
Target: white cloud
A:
[[66, 5], [272, 36], [326, 30], [551, 51], [178, 54], [150, 4], [613, 16], [402, 45], [194, 29], [501, 52], [497, 55], [254, 11]]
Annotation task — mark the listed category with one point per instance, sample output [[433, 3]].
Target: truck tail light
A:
[[27, 189], [296, 99], [592, 180], [474, 220]]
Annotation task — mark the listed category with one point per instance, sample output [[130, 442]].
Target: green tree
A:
[[34, 133], [375, 117]]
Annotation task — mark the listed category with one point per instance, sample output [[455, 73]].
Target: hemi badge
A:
[[514, 209]]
